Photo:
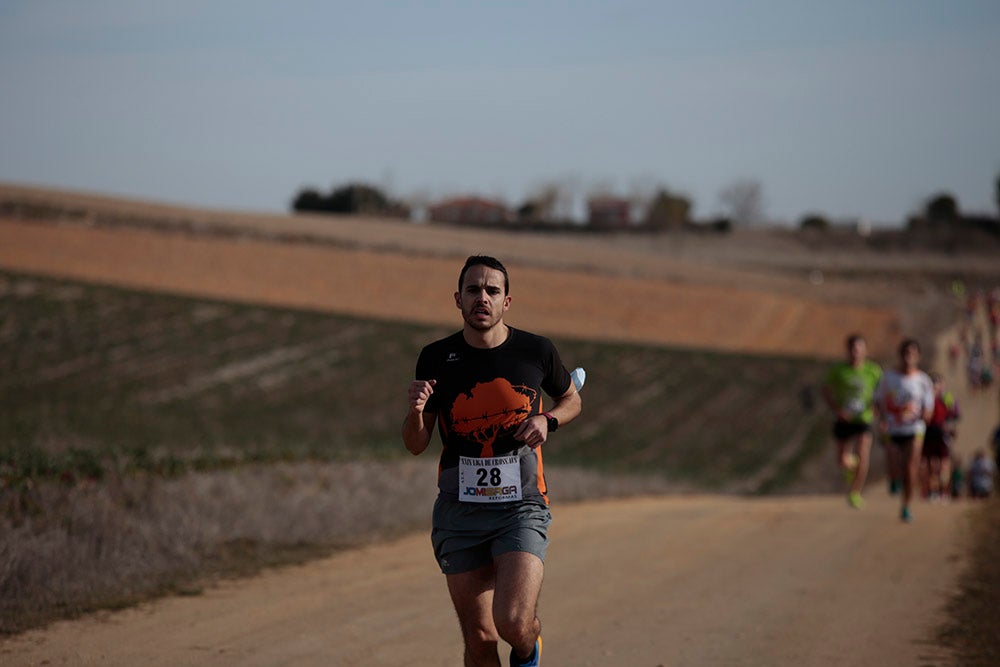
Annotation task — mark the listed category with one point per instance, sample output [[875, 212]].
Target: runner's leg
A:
[[848, 470], [911, 462], [472, 594], [864, 450], [515, 607], [946, 475], [894, 457], [841, 454], [934, 477]]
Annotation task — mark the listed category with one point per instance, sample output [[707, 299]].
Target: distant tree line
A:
[[648, 206], [353, 198], [940, 211], [550, 205]]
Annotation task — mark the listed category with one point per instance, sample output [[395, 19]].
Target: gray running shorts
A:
[[467, 536]]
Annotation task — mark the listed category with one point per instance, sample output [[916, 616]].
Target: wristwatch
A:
[[553, 422]]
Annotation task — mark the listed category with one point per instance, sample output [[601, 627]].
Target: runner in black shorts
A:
[[844, 430], [935, 463], [483, 386]]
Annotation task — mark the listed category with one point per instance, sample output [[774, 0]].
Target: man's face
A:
[[910, 357], [482, 299], [857, 351]]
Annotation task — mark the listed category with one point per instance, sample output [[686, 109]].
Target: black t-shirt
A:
[[482, 396]]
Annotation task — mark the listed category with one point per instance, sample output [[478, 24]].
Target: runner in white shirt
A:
[[904, 401]]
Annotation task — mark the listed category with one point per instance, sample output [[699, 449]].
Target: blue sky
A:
[[849, 109]]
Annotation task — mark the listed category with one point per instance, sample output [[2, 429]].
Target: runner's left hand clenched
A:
[[533, 431]]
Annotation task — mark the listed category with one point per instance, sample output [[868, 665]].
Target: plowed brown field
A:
[[561, 285]]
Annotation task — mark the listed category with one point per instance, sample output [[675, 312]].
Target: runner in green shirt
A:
[[848, 389]]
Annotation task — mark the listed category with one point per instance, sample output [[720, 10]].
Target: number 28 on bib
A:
[[489, 480]]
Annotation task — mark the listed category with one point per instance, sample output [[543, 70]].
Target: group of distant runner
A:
[[980, 348], [913, 415]]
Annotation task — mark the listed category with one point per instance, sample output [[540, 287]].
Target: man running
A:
[[848, 390], [936, 452], [904, 401], [483, 385]]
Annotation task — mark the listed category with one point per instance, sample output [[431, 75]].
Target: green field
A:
[[95, 377]]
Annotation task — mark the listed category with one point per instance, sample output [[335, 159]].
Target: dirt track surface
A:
[[643, 582], [681, 581]]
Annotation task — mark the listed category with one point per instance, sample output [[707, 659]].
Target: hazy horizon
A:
[[854, 110]]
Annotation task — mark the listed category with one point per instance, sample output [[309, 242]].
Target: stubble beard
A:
[[480, 325]]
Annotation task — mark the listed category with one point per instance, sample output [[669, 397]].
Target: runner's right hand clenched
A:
[[419, 393]]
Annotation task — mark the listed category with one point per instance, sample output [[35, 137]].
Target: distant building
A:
[[470, 211], [608, 212]]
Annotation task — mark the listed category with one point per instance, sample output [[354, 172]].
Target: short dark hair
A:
[[489, 262], [854, 338], [907, 343]]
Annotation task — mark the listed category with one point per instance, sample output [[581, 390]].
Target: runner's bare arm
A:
[[419, 423], [831, 402], [567, 407]]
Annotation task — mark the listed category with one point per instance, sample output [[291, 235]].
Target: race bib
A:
[[854, 407], [489, 480]]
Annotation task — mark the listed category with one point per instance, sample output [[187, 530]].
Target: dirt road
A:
[[669, 581], [644, 582]]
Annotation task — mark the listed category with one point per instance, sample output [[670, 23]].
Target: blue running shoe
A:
[[533, 661], [905, 515]]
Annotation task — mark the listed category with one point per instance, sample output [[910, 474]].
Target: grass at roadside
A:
[[974, 609], [149, 440]]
